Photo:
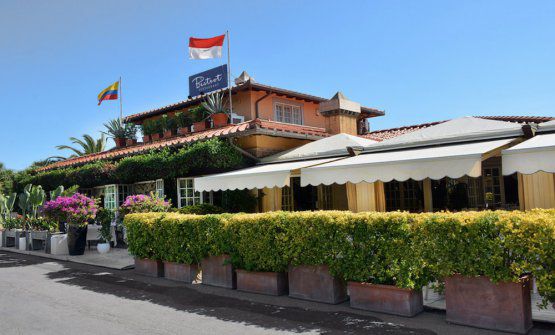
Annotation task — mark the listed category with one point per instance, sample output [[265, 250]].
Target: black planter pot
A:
[[62, 227], [76, 239]]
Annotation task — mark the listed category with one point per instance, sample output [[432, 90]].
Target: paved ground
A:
[[41, 296]]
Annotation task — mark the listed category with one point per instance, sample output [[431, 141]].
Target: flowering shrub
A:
[[77, 209], [141, 203]]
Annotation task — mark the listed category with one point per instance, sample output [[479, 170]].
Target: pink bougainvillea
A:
[[77, 209]]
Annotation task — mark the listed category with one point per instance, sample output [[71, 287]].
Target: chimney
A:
[[243, 78], [341, 114]]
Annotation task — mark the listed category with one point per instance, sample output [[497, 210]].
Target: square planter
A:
[[216, 271], [130, 142], [183, 131], [270, 283], [385, 299], [155, 137], [199, 126], [38, 239], [315, 283], [180, 272], [149, 267], [169, 133], [146, 139], [9, 238], [477, 302], [120, 142], [19, 234]]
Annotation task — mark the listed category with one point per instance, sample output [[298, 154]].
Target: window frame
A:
[[293, 106], [196, 199]]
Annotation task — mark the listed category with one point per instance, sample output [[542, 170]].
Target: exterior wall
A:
[[536, 190], [336, 124], [263, 145], [311, 116]]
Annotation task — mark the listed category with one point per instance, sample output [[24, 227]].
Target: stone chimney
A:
[[341, 114], [243, 78]]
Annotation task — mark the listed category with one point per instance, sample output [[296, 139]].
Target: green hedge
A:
[[211, 156], [407, 250]]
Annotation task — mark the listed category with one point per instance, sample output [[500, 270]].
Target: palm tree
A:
[[87, 145]]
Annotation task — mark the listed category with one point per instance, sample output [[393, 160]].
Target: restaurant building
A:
[[312, 153]]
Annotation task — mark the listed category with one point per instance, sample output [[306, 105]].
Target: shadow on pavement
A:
[[182, 298]]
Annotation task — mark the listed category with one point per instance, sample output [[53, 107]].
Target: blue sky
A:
[[418, 60]]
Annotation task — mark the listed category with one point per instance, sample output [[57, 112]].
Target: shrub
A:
[[402, 249], [144, 204], [77, 209], [201, 209]]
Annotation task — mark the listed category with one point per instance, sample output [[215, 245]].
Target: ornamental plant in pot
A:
[[29, 201], [184, 122], [78, 210], [169, 126], [148, 129], [199, 114], [382, 263], [119, 131], [147, 262], [215, 104], [157, 129], [104, 218]]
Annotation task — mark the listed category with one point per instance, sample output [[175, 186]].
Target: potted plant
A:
[[157, 129], [104, 218], [130, 134], [29, 202], [216, 107], [184, 122], [7, 203], [78, 210], [117, 130], [145, 264], [199, 115], [169, 125], [148, 129]]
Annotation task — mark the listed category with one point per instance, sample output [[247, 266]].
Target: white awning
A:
[[531, 156], [452, 161], [261, 176]]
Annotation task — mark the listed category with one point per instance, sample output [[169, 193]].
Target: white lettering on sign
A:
[[202, 82]]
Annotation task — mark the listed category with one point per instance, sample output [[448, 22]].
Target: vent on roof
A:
[[243, 78]]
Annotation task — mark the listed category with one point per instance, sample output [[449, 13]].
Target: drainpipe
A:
[[243, 151], [258, 101]]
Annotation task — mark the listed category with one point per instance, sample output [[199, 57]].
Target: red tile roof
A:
[[248, 85], [242, 129], [384, 134]]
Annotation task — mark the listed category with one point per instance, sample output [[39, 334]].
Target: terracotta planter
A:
[[168, 134], [270, 283], [219, 119], [315, 283], [120, 142], [180, 272], [149, 267], [146, 138], [216, 271], [385, 299], [129, 142], [183, 131], [477, 302], [199, 126], [155, 137]]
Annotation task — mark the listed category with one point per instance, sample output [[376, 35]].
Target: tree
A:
[[87, 145], [6, 179]]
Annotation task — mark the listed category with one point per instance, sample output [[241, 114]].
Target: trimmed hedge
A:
[[402, 249], [206, 157]]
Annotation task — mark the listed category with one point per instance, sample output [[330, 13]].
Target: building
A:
[[313, 153]]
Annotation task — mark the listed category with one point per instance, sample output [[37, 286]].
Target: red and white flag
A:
[[205, 48]]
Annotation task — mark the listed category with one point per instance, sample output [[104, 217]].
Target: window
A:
[[287, 199], [406, 195], [288, 113], [110, 196], [186, 195], [160, 188]]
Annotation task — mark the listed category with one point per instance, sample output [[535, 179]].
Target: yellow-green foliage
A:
[[407, 250]]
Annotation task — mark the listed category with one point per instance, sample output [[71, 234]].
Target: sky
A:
[[419, 61]]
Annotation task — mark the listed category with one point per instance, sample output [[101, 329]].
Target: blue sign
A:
[[208, 81]]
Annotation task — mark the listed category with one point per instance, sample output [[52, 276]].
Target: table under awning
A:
[[261, 176], [454, 161], [531, 156]]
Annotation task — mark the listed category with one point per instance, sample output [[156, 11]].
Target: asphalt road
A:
[[39, 296]]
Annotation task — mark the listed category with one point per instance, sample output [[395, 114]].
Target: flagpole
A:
[[120, 102], [229, 77]]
